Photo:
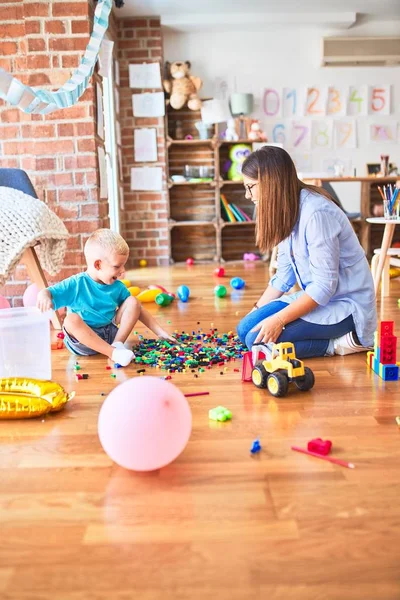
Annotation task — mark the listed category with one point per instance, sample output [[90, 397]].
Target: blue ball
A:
[[237, 283], [183, 293]]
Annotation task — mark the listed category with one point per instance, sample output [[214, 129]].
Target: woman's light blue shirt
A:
[[324, 256]]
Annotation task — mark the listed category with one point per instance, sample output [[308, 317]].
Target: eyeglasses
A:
[[249, 187]]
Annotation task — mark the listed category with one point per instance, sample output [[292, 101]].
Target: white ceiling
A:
[[192, 15]]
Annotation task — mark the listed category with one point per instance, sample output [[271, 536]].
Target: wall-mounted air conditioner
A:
[[361, 51]]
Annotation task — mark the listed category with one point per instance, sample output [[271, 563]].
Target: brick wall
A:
[[41, 42], [144, 219]]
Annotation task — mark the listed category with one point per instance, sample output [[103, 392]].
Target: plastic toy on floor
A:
[[280, 368], [383, 358]]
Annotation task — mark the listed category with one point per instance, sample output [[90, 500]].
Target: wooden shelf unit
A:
[[197, 227]]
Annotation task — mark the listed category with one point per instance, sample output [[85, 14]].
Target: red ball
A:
[[219, 272], [60, 335], [190, 261]]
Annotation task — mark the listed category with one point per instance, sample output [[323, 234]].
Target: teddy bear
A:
[[181, 86], [230, 133], [256, 134]]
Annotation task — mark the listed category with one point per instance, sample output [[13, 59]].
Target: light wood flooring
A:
[[218, 522]]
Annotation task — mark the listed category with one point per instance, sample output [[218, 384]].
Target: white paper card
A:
[[357, 102], [321, 134], [100, 116], [105, 57], [146, 179], [103, 172], [345, 133], [383, 132], [379, 100], [215, 111], [147, 76], [148, 105], [337, 101], [145, 145]]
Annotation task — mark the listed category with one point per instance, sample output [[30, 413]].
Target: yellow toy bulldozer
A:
[[283, 367]]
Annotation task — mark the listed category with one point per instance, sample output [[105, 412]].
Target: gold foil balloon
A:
[[22, 398]]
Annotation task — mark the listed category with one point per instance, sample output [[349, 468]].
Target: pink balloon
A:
[[144, 423], [4, 303], [30, 295]]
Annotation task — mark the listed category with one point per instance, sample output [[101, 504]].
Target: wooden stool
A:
[[392, 259]]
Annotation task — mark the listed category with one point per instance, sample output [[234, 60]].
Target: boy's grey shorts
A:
[[107, 333]]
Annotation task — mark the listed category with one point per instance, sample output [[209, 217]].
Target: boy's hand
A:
[[44, 301], [164, 335]]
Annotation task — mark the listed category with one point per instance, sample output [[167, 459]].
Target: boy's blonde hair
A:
[[108, 241]]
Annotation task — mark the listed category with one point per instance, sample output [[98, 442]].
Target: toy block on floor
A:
[[383, 359], [247, 366]]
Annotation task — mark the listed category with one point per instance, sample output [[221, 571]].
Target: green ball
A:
[[220, 291]]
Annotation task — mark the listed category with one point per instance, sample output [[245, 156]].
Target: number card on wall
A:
[[379, 100], [357, 104], [344, 133], [337, 101], [383, 132], [293, 101], [317, 99], [271, 102], [300, 135], [321, 134]]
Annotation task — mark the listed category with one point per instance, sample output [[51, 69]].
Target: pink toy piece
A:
[[250, 256], [4, 303], [144, 423], [30, 295], [247, 366], [319, 446], [190, 261], [219, 272]]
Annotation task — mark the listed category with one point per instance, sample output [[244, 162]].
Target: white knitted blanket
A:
[[25, 221]]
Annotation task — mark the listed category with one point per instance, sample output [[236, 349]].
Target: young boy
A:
[[97, 302]]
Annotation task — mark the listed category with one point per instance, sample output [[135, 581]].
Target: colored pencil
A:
[[381, 193], [335, 461], [197, 394]]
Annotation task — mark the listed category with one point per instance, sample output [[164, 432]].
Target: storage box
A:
[[25, 343]]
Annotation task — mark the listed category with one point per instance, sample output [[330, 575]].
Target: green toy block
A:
[[220, 413]]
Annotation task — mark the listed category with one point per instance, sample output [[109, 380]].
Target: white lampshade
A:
[[241, 104]]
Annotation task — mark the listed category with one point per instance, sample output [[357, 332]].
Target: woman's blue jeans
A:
[[309, 339]]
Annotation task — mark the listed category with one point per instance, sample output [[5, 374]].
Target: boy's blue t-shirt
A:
[[96, 303]]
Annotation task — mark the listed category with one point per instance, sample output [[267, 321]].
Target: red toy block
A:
[[388, 350], [386, 328], [247, 366], [319, 446]]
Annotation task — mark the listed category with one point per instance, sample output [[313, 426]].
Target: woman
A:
[[335, 311]]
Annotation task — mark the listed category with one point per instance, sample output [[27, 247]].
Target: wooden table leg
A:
[[386, 241], [36, 275]]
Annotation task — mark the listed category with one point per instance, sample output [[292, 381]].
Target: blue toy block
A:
[[389, 372], [256, 447]]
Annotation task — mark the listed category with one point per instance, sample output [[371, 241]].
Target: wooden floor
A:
[[218, 522]]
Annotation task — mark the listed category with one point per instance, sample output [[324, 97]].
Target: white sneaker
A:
[[346, 344]]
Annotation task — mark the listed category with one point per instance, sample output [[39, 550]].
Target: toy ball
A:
[[126, 282], [189, 261], [134, 290], [220, 291], [4, 303], [144, 423], [237, 283], [183, 293], [30, 295], [143, 262], [219, 272], [250, 256]]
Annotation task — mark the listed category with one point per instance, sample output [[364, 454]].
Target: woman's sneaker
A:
[[348, 344]]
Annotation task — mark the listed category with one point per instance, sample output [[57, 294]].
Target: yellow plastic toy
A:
[[283, 368], [148, 295], [24, 398], [134, 290], [126, 282]]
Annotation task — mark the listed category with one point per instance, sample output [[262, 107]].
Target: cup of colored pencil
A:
[[391, 201]]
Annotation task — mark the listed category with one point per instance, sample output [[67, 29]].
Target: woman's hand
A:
[[269, 330]]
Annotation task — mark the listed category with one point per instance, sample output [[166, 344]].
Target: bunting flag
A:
[[43, 102]]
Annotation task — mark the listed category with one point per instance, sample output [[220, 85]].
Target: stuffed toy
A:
[[256, 134], [181, 86], [238, 154], [230, 133]]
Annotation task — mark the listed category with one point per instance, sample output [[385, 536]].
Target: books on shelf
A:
[[232, 212]]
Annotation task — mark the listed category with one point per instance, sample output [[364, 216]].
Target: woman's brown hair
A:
[[279, 194]]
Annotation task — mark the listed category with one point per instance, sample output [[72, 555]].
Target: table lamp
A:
[[241, 105]]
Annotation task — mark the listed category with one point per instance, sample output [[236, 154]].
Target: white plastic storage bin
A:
[[25, 343]]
